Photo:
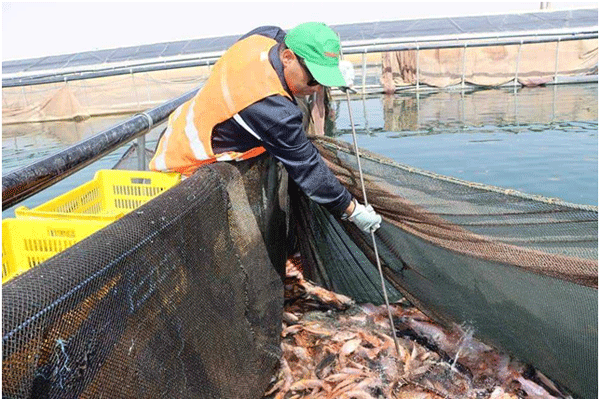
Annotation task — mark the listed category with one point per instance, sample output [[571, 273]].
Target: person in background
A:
[[247, 106]]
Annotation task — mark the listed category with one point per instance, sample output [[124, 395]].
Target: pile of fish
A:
[[334, 348]]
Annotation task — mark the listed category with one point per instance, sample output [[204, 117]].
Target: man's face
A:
[[296, 75]]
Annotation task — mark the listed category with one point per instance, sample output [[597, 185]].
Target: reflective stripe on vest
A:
[[241, 77]]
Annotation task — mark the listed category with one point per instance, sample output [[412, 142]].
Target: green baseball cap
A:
[[319, 46]]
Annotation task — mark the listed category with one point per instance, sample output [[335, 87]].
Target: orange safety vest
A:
[[241, 77]]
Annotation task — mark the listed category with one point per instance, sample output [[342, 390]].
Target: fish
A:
[[325, 365], [290, 318], [342, 377], [293, 329], [355, 394], [534, 390], [350, 346], [333, 348], [303, 385]]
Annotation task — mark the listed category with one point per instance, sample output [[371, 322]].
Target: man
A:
[[247, 106]]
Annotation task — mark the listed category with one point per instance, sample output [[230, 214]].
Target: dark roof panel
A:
[[431, 27]]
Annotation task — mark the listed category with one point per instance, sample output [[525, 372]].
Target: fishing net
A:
[[520, 270], [81, 99], [180, 298], [335, 348], [530, 64]]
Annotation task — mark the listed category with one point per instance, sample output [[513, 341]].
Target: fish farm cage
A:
[[118, 313]]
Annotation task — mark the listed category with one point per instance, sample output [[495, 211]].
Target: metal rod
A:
[[364, 192], [364, 71], [554, 103], [464, 62], [556, 62], [418, 67], [517, 109], [24, 96], [432, 44], [516, 35], [147, 83], [418, 110], [517, 67], [365, 114], [137, 98], [21, 184], [45, 78], [462, 108], [141, 143], [362, 183]]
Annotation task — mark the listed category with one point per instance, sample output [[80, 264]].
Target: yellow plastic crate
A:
[[109, 196], [28, 242]]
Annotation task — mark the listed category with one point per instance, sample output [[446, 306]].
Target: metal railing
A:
[[22, 183], [349, 47]]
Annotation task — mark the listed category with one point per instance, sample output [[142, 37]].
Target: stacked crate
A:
[[40, 233]]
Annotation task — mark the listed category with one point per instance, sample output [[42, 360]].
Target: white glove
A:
[[347, 70], [365, 218]]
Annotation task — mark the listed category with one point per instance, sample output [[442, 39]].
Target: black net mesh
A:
[[180, 298], [522, 271]]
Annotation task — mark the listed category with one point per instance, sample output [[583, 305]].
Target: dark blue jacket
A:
[[278, 122]]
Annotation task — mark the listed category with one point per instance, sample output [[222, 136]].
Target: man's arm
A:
[[278, 122]]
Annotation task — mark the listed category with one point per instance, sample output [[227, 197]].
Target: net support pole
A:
[[364, 101], [137, 97], [141, 142], [418, 75], [554, 102], [516, 97], [462, 106], [148, 96], [556, 62], [24, 96], [517, 66], [364, 71], [464, 63], [418, 110]]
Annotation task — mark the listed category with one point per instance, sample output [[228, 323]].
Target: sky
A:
[[37, 29]]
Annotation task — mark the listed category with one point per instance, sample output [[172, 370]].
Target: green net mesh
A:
[[521, 270], [180, 298]]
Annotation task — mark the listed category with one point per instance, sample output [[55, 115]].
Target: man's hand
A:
[[365, 218]]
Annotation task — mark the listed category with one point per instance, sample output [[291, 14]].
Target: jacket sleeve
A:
[[278, 122]]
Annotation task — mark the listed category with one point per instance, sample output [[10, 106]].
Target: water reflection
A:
[[498, 107], [24, 144], [540, 116], [541, 140]]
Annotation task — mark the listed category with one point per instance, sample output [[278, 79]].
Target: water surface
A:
[[541, 140]]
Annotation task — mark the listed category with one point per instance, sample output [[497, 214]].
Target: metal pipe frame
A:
[[431, 45], [472, 37], [424, 43]]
